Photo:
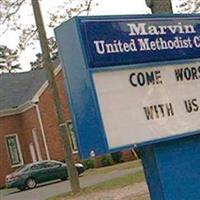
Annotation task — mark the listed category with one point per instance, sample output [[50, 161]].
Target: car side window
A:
[[38, 166], [35, 167], [53, 164], [45, 165]]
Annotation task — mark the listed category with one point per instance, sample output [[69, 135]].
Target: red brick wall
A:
[[49, 120], [22, 125], [129, 155], [8, 125], [29, 121]]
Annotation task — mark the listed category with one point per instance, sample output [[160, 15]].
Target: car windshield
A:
[[22, 168]]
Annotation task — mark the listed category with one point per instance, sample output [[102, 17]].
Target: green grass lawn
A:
[[117, 182], [110, 184], [121, 166]]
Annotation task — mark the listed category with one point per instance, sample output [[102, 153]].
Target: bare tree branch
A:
[[87, 9], [4, 31], [10, 18], [188, 6], [22, 44], [17, 5], [89, 6]]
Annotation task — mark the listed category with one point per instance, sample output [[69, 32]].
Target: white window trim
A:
[[19, 149], [32, 151], [37, 146], [73, 151]]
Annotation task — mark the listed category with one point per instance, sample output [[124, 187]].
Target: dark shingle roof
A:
[[18, 88]]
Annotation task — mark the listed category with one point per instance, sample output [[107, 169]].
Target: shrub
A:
[[117, 157], [106, 160], [89, 163]]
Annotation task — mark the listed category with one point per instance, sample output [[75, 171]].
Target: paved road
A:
[[45, 191]]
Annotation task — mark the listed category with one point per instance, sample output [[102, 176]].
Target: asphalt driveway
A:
[[44, 191]]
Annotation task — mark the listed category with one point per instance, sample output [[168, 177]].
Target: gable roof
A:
[[18, 88]]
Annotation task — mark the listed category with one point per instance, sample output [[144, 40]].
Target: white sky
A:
[[105, 7]]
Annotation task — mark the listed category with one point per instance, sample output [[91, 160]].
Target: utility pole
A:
[[160, 6], [62, 126]]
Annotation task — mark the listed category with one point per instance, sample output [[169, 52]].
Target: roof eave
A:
[[17, 110], [45, 85]]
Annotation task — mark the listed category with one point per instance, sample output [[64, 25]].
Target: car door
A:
[[39, 172], [55, 170]]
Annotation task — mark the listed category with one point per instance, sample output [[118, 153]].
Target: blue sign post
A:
[[134, 81]]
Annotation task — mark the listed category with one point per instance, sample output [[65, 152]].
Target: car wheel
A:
[[80, 171], [22, 188], [31, 183], [64, 179]]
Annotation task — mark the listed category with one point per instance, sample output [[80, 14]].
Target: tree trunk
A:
[[62, 126], [160, 6]]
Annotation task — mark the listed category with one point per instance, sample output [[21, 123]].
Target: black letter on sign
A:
[[191, 105], [131, 80]]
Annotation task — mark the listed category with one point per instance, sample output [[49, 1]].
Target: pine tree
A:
[[8, 59]]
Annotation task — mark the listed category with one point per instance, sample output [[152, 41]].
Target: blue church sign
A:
[[133, 81], [126, 82]]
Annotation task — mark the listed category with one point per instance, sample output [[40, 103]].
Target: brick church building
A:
[[28, 129]]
